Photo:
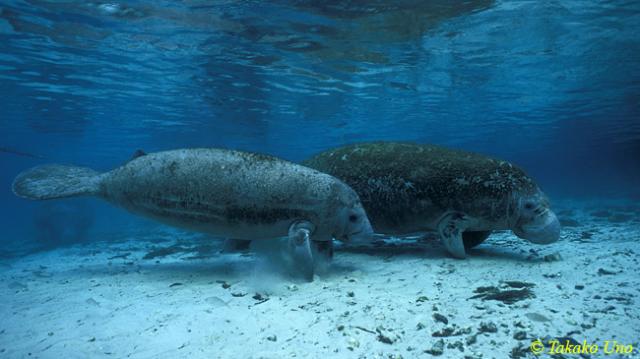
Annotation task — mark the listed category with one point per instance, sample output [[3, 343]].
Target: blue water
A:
[[553, 86]]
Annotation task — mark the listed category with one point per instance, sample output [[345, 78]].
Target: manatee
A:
[[463, 196], [222, 192]]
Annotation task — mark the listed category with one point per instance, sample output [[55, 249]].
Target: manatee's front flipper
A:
[[235, 245], [450, 229], [300, 248], [474, 238]]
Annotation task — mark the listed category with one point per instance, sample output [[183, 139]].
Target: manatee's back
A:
[[402, 184], [216, 190]]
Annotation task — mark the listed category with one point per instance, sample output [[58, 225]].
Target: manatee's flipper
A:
[[56, 181], [474, 238], [235, 245], [300, 248], [450, 229]]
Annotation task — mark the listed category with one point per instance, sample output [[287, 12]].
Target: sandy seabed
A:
[[171, 294]]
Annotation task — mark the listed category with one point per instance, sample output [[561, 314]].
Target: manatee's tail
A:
[[56, 181]]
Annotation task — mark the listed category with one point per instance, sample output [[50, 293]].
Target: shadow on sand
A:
[[201, 261], [431, 249]]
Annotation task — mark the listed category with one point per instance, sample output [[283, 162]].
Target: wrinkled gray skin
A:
[[409, 188], [222, 192], [234, 194]]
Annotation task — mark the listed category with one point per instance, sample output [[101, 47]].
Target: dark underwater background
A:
[[552, 86]]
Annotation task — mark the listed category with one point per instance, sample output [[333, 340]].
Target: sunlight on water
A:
[[544, 71]]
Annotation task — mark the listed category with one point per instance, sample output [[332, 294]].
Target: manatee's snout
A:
[[544, 229], [351, 223], [362, 233], [355, 226], [534, 220]]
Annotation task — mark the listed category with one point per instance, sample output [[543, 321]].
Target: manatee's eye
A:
[[528, 205], [353, 218]]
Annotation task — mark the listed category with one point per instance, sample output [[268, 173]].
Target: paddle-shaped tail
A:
[[56, 181]]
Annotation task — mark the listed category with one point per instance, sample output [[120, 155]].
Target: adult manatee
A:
[[407, 188], [222, 192]]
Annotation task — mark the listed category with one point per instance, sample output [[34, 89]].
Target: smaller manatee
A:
[[227, 193]]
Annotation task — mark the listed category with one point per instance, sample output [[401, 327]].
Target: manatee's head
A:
[[534, 220], [351, 222]]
